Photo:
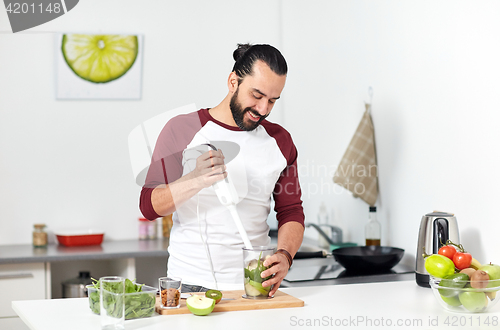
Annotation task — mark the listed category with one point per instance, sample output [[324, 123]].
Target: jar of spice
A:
[[147, 229], [39, 235]]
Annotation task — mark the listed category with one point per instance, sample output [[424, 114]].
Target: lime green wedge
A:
[[99, 58]]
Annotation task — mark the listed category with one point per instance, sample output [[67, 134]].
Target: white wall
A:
[[433, 67], [66, 163]]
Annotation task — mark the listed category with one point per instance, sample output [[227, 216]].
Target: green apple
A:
[[492, 270], [452, 301], [473, 301], [200, 305], [255, 289], [494, 274], [252, 291]]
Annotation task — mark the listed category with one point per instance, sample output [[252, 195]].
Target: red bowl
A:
[[80, 238]]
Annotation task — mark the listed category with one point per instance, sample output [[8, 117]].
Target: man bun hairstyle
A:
[[246, 55]]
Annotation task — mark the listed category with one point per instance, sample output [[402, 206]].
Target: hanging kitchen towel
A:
[[358, 170]]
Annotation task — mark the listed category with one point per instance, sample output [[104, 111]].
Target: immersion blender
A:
[[226, 192]]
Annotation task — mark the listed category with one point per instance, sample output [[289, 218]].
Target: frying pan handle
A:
[[310, 255]]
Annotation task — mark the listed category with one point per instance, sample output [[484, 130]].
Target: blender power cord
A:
[[204, 241], [209, 258]]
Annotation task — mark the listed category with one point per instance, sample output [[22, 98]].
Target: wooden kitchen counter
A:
[[389, 305]]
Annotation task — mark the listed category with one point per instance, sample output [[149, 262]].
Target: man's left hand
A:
[[279, 268]]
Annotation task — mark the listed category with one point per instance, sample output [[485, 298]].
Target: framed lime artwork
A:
[[98, 66]]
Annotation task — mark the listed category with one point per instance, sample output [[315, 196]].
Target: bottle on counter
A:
[[323, 219], [147, 229], [39, 235], [372, 228]]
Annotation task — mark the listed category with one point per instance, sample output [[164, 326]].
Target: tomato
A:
[[439, 266], [462, 260], [447, 251]]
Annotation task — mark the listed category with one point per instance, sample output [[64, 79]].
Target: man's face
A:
[[239, 114], [251, 104]]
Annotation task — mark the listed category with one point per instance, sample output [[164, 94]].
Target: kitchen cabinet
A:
[[21, 281]]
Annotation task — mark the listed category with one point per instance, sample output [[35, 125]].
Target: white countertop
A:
[[332, 306]]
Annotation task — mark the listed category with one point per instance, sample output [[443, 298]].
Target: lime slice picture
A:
[[99, 58]]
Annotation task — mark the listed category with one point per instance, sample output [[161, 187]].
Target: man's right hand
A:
[[210, 168]]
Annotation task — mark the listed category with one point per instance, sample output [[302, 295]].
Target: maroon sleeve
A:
[[287, 193], [145, 204], [166, 163]]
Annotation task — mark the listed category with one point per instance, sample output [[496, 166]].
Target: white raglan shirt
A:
[[254, 172]]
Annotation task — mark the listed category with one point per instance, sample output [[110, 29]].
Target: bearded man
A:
[[205, 247]]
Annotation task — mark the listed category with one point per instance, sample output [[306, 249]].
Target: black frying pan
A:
[[368, 258]]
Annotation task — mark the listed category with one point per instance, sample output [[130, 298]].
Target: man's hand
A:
[[210, 168], [289, 239], [279, 268]]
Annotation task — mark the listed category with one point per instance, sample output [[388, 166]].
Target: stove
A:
[[328, 271]]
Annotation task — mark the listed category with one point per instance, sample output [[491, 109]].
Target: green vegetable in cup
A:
[[253, 280]]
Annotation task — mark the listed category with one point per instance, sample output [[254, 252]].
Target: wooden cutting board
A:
[[280, 300]]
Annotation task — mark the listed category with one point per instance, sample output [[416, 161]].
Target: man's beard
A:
[[239, 114]]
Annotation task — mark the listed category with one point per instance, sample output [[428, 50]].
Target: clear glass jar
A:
[[324, 220], [147, 229], [39, 235], [253, 266]]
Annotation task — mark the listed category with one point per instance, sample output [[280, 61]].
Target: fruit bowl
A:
[[458, 295]]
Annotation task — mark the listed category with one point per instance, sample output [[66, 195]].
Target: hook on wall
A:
[[368, 104]]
